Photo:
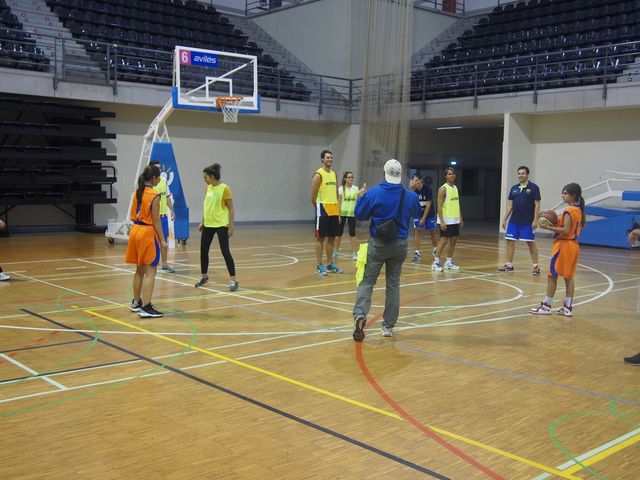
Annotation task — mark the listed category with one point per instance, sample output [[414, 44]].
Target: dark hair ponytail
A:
[[213, 171], [575, 190], [147, 174]]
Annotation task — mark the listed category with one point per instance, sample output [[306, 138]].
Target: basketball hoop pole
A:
[[157, 132]]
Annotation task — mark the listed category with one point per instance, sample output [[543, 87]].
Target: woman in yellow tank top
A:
[[217, 217], [348, 193]]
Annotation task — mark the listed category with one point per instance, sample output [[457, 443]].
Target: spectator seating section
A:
[[17, 48], [49, 155], [156, 27], [556, 43]]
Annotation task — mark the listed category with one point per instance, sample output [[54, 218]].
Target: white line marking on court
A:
[[68, 289], [592, 453], [71, 268], [163, 372], [32, 372]]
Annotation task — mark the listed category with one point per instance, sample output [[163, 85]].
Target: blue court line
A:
[[257, 403], [43, 346], [524, 376]]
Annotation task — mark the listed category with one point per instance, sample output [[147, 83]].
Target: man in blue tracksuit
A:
[[378, 204]]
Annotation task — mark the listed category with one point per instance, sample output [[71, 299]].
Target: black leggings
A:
[[223, 240]]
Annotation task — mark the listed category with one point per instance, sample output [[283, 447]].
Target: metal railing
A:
[[261, 7], [111, 64]]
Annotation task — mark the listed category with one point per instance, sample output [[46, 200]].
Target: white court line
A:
[[68, 289], [166, 279], [70, 268], [32, 372], [592, 453], [163, 372]]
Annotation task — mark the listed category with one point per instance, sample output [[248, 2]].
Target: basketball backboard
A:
[[200, 76]]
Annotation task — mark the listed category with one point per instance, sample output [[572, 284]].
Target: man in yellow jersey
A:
[[324, 198], [449, 221], [166, 206]]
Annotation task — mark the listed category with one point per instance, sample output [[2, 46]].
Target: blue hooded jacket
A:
[[382, 202]]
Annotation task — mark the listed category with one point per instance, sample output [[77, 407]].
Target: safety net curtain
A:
[[386, 82]]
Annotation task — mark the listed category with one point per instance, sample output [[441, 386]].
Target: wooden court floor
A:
[[267, 383]]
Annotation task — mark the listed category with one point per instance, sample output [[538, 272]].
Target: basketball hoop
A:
[[230, 107]]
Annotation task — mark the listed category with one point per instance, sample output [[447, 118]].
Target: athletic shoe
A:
[[233, 286], [635, 360], [167, 269], [536, 270], [202, 281], [354, 257], [506, 268], [4, 277], [416, 257], [358, 330], [136, 305], [321, 269], [565, 311], [451, 266], [386, 331], [542, 309], [333, 268], [435, 267], [147, 311]]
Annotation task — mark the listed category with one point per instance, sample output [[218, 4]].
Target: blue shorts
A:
[[429, 223], [164, 221], [524, 233]]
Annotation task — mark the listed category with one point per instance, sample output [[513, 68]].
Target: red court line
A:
[[406, 415]]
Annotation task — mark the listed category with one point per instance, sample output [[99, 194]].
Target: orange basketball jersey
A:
[[143, 247], [565, 251]]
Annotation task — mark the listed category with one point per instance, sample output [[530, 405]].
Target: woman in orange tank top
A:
[[145, 240], [564, 255]]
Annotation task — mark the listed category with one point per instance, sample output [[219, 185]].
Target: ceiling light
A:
[[457, 127]]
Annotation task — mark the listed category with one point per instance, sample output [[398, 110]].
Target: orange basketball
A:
[[548, 217]]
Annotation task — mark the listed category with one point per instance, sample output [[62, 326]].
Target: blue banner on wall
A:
[[163, 153]]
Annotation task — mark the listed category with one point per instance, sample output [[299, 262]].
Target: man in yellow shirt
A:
[[324, 198]]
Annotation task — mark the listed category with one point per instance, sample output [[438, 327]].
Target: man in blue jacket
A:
[[382, 203]]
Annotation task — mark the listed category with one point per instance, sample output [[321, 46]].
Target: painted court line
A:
[[32, 372], [328, 393], [598, 453]]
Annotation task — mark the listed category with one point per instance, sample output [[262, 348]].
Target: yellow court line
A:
[[605, 453], [337, 396]]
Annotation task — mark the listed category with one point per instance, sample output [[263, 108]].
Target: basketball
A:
[[548, 217]]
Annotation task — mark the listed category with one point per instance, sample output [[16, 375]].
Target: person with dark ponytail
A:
[[217, 217], [145, 240], [565, 252]]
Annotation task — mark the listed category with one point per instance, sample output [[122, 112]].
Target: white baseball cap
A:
[[393, 171]]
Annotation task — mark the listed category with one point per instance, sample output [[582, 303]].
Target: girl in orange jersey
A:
[[145, 240], [564, 255]]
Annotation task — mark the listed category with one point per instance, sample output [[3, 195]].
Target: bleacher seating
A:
[[49, 156], [17, 48], [556, 43], [146, 32]]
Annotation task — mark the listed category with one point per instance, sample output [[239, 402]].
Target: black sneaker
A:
[[202, 281], [358, 330], [635, 360], [147, 311], [136, 305], [506, 268]]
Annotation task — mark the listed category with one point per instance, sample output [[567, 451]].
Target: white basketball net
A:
[[230, 108]]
